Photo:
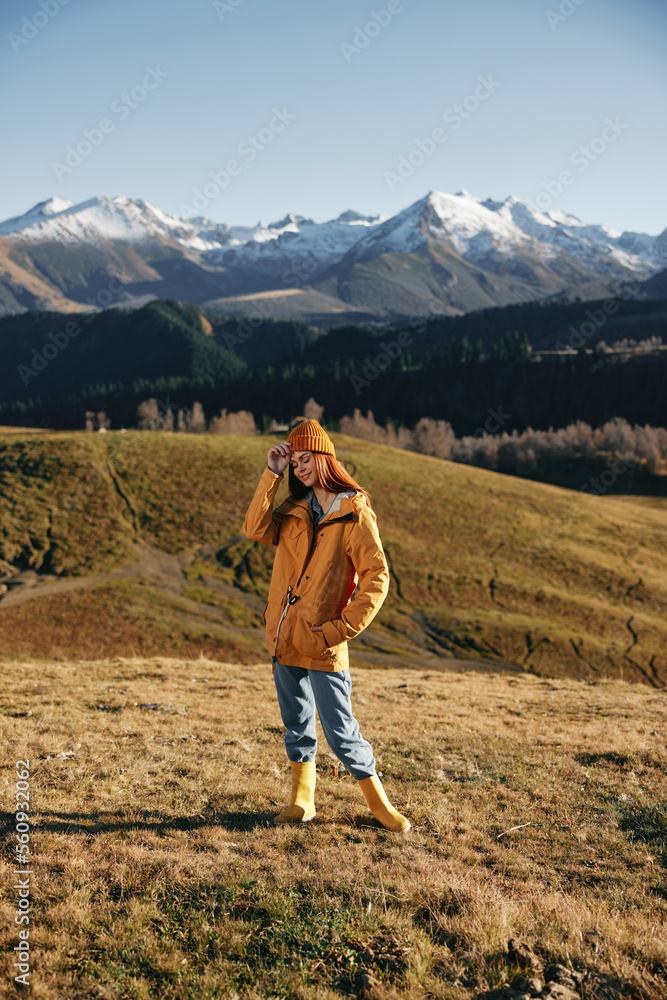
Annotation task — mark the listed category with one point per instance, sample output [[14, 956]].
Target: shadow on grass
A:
[[235, 820], [647, 822], [110, 821]]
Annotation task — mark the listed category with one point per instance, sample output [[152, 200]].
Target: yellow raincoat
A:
[[314, 575]]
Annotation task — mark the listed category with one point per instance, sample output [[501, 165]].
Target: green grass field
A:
[[131, 544]]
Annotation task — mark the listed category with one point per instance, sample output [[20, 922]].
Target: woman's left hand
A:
[[316, 628]]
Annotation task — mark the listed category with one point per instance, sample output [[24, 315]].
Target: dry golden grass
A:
[[127, 617], [158, 871]]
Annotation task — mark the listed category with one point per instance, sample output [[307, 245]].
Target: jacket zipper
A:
[[289, 600], [322, 523], [292, 598], [343, 517]]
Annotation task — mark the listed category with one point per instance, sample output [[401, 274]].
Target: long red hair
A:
[[333, 477]]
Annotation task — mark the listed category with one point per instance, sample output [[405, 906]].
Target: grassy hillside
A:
[[131, 544], [538, 811]]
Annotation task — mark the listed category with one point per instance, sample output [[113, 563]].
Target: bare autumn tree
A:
[[97, 421], [616, 436], [191, 421], [366, 428], [313, 410], [242, 422], [149, 416], [433, 437], [197, 420], [520, 453], [651, 444], [362, 427]]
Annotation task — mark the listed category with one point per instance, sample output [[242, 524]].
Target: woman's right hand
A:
[[278, 457]]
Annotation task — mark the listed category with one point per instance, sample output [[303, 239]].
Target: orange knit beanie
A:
[[311, 436]]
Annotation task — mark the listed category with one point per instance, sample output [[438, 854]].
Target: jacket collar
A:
[[302, 509], [299, 508], [334, 506]]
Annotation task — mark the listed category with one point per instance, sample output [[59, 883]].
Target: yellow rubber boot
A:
[[381, 807], [302, 804]]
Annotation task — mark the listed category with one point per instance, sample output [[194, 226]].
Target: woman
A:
[[326, 538]]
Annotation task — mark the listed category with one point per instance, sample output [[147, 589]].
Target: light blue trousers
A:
[[300, 691]]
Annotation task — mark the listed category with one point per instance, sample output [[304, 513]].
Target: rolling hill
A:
[[131, 544]]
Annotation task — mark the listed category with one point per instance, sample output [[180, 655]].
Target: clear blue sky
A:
[[229, 64]]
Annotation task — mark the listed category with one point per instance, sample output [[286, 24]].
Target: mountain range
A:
[[444, 255]]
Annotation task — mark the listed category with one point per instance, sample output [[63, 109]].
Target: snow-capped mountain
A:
[[104, 219], [444, 254], [480, 230]]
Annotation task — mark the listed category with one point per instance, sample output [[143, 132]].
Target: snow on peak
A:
[[43, 209], [461, 218], [480, 231], [54, 205], [350, 216], [476, 229], [97, 219], [290, 221]]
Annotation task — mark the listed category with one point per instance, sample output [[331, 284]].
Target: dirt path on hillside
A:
[[154, 566], [164, 572]]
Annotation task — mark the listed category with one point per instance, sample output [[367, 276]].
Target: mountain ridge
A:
[[442, 255]]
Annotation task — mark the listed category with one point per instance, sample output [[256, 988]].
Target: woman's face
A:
[[303, 463]]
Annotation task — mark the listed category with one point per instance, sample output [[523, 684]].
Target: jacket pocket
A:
[[312, 644]]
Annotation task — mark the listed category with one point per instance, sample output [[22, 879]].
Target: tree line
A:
[[452, 370], [564, 456]]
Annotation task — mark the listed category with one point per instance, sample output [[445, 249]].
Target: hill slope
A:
[[131, 543]]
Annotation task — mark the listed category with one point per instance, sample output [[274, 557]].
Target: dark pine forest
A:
[[541, 365]]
